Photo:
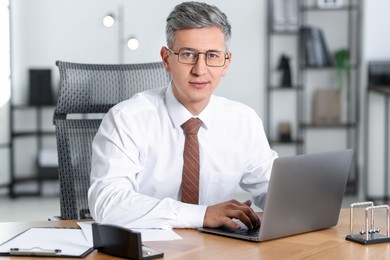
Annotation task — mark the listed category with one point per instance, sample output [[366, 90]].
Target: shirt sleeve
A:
[[260, 161], [114, 196]]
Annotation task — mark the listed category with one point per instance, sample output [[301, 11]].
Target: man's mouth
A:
[[199, 84]]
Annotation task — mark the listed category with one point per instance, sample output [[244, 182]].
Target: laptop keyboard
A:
[[242, 231], [248, 232], [245, 231]]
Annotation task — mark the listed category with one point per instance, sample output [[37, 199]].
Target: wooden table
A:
[[324, 244]]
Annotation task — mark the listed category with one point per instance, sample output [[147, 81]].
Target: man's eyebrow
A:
[[188, 48], [193, 49], [216, 50]]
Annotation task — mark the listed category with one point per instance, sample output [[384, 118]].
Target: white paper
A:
[[70, 241], [86, 227], [146, 234], [157, 234]]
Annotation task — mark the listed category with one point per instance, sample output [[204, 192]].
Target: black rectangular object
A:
[[314, 48], [41, 93], [379, 74], [121, 242]]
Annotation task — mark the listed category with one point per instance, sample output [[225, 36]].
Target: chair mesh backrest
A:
[[87, 89]]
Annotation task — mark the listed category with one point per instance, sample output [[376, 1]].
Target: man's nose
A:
[[200, 66]]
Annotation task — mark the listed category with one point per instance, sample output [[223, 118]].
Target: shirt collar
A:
[[179, 114]]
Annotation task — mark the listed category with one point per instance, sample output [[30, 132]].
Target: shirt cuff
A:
[[190, 216]]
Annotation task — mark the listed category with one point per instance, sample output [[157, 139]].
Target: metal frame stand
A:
[[371, 234]]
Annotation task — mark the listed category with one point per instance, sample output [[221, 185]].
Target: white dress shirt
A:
[[137, 160]]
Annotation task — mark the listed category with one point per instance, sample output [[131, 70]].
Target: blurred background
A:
[[315, 71]]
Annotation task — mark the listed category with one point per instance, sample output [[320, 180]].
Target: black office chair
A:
[[87, 92]]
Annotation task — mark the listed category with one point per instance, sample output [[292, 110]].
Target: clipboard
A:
[[57, 242]]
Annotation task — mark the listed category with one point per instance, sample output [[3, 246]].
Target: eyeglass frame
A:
[[225, 54]]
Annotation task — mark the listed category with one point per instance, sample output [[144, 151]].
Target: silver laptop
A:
[[305, 193]]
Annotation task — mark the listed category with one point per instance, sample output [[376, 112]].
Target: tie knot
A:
[[191, 126]]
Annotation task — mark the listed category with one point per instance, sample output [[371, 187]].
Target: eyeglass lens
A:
[[213, 58]]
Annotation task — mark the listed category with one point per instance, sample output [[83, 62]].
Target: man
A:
[[137, 177]]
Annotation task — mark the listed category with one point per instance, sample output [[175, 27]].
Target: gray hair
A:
[[189, 15]]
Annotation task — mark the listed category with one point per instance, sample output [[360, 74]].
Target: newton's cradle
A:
[[370, 234]]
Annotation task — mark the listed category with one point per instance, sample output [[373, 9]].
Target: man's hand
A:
[[223, 213]]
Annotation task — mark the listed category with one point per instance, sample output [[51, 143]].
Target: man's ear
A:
[[164, 53], [225, 68]]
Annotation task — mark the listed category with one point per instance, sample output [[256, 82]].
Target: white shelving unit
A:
[[294, 104]]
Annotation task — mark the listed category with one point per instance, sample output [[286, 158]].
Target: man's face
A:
[[193, 84]]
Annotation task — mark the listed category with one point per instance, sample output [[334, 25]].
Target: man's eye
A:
[[188, 55], [213, 55]]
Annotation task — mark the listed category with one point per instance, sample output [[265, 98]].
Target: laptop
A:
[[305, 193]]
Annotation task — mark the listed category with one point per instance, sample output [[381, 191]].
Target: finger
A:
[[230, 223], [248, 202], [243, 217], [254, 218], [248, 211]]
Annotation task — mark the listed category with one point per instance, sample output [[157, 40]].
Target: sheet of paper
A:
[[157, 234], [146, 234], [86, 227], [71, 242]]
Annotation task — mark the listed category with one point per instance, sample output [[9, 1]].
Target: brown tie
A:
[[190, 182]]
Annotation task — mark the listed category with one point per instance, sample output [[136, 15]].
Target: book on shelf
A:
[[314, 48], [329, 3], [285, 15]]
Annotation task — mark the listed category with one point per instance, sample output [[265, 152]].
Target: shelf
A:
[[332, 67], [294, 142], [27, 133], [25, 193], [324, 126], [32, 122], [385, 90], [344, 8], [307, 80], [279, 88], [285, 32], [304, 67], [26, 179]]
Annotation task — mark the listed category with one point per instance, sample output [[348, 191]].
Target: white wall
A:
[[44, 31], [48, 30], [5, 89]]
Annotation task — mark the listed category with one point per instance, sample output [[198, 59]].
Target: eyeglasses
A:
[[190, 56]]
